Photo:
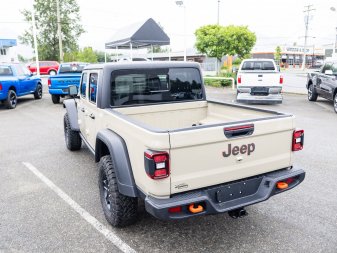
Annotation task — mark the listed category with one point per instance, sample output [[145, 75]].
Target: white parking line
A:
[[111, 236], [325, 106]]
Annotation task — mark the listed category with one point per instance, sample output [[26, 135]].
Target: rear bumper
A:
[[59, 91], [268, 99], [225, 197]]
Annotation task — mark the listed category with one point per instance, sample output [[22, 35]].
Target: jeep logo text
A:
[[239, 150]]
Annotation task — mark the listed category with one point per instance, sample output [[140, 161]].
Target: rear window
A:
[[258, 65], [5, 71], [142, 86], [71, 68]]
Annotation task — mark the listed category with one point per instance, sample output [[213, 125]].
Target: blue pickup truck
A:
[[68, 74], [15, 81]]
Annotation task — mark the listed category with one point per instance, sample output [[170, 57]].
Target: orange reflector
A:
[[194, 209], [282, 185]]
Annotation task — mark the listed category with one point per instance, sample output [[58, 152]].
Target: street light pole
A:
[[181, 4], [35, 43], [59, 28], [335, 43], [218, 12]]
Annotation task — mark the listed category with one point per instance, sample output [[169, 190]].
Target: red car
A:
[[46, 67]]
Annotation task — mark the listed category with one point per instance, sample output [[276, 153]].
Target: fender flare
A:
[[70, 105], [120, 158]]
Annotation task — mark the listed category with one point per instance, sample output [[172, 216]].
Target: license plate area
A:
[[237, 190], [259, 91]]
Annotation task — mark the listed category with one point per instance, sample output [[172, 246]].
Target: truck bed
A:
[[169, 117]]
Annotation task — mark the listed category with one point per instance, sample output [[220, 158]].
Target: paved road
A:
[[33, 218]]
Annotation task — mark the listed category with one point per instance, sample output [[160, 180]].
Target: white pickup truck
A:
[[259, 81]]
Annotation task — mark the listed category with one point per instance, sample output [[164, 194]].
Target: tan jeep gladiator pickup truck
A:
[[157, 138]]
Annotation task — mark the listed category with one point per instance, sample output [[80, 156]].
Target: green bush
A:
[[217, 82]]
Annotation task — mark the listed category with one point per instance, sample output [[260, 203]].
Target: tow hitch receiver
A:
[[237, 213]]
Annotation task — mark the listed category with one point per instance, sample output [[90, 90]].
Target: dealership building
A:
[[292, 56], [8, 50]]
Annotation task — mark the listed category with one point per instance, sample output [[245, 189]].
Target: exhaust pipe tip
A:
[[237, 213]]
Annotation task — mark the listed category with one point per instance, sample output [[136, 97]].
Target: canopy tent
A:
[[139, 35]]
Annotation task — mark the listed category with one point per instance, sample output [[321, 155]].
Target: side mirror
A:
[[328, 72], [72, 91]]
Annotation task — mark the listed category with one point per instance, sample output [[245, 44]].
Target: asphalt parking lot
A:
[[49, 199]]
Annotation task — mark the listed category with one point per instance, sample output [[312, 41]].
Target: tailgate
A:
[[259, 79], [205, 156], [64, 81]]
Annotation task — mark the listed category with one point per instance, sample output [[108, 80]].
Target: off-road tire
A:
[[335, 102], [11, 100], [72, 138], [312, 93], [38, 91], [119, 210], [55, 99]]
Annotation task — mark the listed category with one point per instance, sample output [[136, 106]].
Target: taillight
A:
[[281, 79], [157, 164], [298, 140], [49, 82], [239, 79], [0, 86]]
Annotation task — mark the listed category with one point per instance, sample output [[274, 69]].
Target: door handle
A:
[[82, 109], [92, 116]]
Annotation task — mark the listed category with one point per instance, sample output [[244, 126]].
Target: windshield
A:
[[141, 86], [72, 68], [258, 65], [5, 71]]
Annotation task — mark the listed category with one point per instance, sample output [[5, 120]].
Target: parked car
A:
[[69, 73], [323, 83], [16, 81], [46, 67], [259, 81], [157, 138]]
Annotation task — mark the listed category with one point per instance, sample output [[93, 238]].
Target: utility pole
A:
[[35, 43], [307, 10], [218, 11], [59, 28]]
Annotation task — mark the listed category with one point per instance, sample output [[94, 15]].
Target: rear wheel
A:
[[38, 91], [119, 210], [72, 138], [335, 102], [312, 93], [11, 100], [55, 99], [52, 72]]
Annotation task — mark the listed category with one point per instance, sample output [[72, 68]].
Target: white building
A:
[[8, 50]]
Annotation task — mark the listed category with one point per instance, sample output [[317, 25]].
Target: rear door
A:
[[213, 155]]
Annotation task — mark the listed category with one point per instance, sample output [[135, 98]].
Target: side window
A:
[[93, 87], [19, 70], [327, 66], [334, 68], [83, 85]]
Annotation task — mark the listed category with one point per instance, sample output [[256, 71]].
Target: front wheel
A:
[[38, 91], [119, 210], [312, 93], [11, 100], [335, 102], [72, 138], [55, 99]]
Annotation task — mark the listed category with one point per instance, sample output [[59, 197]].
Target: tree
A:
[[87, 55], [277, 55], [46, 22], [218, 41]]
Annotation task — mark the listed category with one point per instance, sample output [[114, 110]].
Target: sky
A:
[[273, 22]]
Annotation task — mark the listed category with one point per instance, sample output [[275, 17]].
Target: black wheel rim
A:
[[106, 191], [12, 99]]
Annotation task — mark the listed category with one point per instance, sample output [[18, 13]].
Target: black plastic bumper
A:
[[225, 197]]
